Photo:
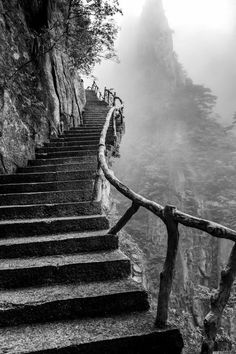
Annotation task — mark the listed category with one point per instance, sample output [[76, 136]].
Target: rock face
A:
[[40, 93]]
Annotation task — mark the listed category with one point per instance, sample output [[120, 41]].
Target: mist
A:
[[206, 47], [178, 85], [206, 50]]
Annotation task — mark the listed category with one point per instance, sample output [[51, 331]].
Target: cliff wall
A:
[[40, 91]]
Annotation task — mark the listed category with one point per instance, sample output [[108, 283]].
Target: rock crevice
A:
[[40, 91]]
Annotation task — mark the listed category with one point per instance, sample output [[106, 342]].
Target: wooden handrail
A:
[[210, 227], [172, 217]]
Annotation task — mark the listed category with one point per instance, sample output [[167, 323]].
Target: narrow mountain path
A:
[[65, 287]]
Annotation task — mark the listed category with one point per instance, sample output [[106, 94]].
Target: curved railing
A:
[[171, 218]]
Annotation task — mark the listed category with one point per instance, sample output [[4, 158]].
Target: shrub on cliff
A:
[[84, 29], [90, 31]]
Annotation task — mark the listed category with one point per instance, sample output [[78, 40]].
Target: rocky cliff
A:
[[40, 92]]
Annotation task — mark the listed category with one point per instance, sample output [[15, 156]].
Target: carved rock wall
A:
[[40, 93]]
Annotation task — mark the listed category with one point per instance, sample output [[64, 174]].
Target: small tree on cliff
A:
[[90, 31], [84, 29]]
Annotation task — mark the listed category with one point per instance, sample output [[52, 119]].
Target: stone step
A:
[[89, 119], [35, 211], [66, 154], [132, 333], [67, 148], [88, 127], [78, 135], [96, 116], [83, 267], [96, 119], [49, 245], [82, 138], [88, 122], [64, 167], [48, 176], [85, 130], [96, 111], [101, 118], [51, 197], [97, 104], [82, 131], [76, 143], [92, 124], [61, 161], [77, 138], [45, 186], [92, 107], [47, 226], [70, 301]]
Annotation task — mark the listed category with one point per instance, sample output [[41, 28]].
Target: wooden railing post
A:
[[124, 219], [97, 189], [104, 97], [114, 99], [167, 275], [218, 302]]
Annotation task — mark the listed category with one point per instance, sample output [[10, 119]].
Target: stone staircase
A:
[[65, 285]]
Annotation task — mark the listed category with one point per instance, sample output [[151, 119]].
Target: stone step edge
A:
[[71, 301], [135, 331], [77, 167], [45, 173], [46, 183], [62, 269], [55, 245], [62, 260], [47, 204], [57, 237], [49, 220]]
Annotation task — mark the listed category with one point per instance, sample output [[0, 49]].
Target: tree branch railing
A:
[[171, 217]]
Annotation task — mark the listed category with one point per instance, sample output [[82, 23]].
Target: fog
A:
[[174, 150], [204, 40]]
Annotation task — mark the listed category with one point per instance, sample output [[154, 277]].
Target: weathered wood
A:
[[218, 302], [124, 219], [172, 217], [119, 99], [109, 174], [97, 187], [114, 126], [210, 227], [167, 275]]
